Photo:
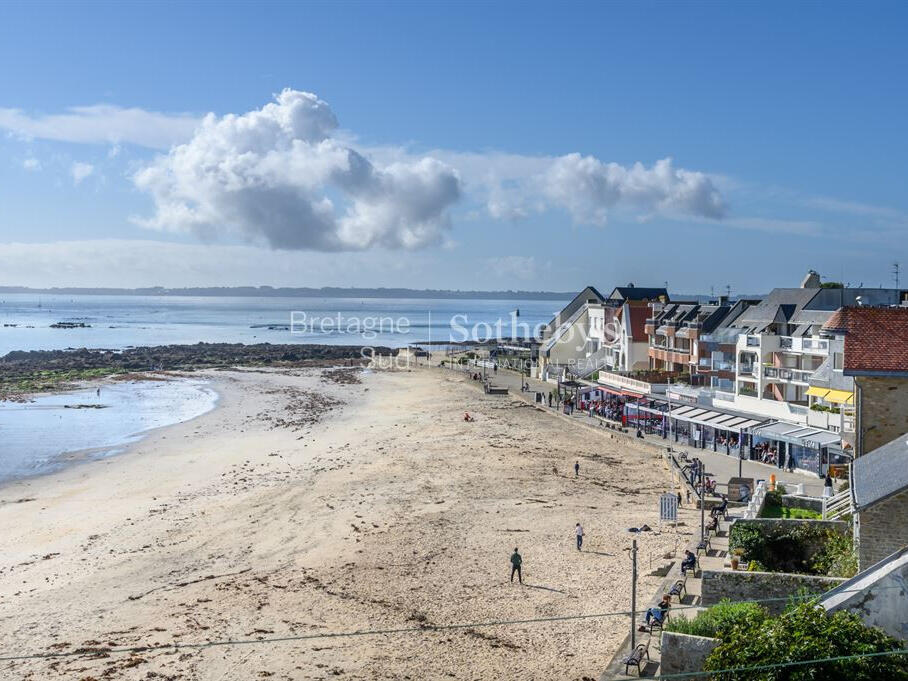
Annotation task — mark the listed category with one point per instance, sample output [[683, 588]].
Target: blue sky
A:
[[452, 145]]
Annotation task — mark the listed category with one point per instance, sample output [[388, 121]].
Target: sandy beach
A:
[[314, 501]]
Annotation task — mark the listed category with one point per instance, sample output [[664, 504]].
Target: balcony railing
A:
[[715, 365], [798, 344], [753, 341], [786, 374], [620, 381], [815, 344], [746, 369]]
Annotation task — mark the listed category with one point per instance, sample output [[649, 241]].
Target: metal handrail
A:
[[837, 506]]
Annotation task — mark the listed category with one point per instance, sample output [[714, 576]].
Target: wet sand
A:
[[309, 503]]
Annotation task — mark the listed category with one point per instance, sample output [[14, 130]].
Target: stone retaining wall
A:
[[741, 585], [682, 653], [806, 503], [772, 525]]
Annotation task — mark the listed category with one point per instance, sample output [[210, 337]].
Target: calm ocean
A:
[[131, 409], [117, 322]]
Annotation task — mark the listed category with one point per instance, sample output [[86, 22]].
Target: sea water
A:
[[55, 430], [117, 322], [46, 434]]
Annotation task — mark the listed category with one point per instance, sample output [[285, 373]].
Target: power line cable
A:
[[422, 629]]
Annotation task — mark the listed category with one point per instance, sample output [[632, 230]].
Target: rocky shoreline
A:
[[36, 371]]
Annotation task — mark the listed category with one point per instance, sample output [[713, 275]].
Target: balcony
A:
[[707, 364], [746, 369], [753, 341], [676, 355], [811, 346], [787, 375], [746, 390]]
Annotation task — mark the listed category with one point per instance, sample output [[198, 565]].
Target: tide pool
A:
[[44, 435]]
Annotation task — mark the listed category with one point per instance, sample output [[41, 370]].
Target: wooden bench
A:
[[636, 657], [679, 588], [704, 546]]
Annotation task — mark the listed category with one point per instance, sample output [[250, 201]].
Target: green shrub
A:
[[806, 632], [719, 620], [838, 557], [773, 511], [804, 548]]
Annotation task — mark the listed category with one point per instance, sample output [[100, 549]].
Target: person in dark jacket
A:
[[516, 562], [689, 562]]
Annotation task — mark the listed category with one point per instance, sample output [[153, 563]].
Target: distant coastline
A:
[[287, 292]]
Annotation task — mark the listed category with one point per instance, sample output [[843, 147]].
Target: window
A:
[[837, 361]]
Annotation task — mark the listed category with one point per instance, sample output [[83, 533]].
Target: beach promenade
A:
[[718, 464]]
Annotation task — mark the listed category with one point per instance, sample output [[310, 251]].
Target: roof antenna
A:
[[895, 273]]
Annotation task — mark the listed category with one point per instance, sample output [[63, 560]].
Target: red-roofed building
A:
[[875, 353]]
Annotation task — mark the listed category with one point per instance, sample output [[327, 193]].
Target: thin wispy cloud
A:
[[147, 262], [102, 124], [520, 267], [79, 171], [833, 205], [31, 164]]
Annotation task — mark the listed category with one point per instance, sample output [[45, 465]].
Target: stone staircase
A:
[[716, 557]]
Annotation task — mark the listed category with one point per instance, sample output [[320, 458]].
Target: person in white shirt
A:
[[579, 536]]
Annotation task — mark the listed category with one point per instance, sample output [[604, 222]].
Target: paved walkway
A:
[[719, 464]]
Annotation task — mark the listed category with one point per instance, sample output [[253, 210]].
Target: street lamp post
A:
[[634, 594], [702, 468]]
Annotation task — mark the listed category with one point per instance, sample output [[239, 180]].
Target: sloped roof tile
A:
[[876, 339]]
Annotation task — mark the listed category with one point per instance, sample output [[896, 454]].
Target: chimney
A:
[[812, 280]]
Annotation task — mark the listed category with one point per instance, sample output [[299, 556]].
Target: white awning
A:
[[812, 438], [714, 419]]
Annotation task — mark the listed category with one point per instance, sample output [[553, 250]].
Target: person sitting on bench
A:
[[721, 508], [689, 562], [713, 525], [657, 614]]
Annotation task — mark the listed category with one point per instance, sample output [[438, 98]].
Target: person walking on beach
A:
[[579, 531], [576, 469], [516, 562]]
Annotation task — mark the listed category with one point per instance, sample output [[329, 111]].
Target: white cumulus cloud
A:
[[80, 171], [589, 188], [32, 164], [515, 186], [279, 175]]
